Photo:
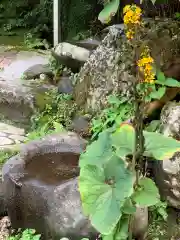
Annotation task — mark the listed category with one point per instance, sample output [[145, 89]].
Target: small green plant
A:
[[118, 111], [53, 107], [55, 67], [28, 234], [44, 130], [177, 15], [158, 90], [31, 42], [6, 154]]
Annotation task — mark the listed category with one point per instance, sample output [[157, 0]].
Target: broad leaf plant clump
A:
[[112, 183]]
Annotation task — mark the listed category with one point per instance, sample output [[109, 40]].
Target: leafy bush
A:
[[53, 107], [28, 234], [118, 111]]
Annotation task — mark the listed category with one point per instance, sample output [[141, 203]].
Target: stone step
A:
[[10, 136]]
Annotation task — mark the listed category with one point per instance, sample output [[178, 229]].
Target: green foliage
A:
[[28, 234], [169, 82], [6, 154], [110, 9], [44, 130], [118, 111], [123, 140], [177, 15], [147, 193], [53, 107], [159, 211], [161, 149], [104, 191], [23, 14], [106, 180], [31, 41], [157, 90], [153, 126], [76, 17], [57, 68], [157, 94]]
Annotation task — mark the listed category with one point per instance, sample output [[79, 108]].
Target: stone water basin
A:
[[41, 188]]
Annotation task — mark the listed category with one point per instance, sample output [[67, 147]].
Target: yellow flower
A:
[[132, 17], [132, 14], [126, 8], [130, 34], [145, 66]]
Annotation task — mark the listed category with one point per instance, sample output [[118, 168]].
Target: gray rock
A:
[[170, 120], [18, 96], [36, 70], [106, 30], [3, 209], [27, 65], [140, 223], [109, 68], [167, 172], [89, 43], [18, 99], [41, 188], [81, 125], [70, 55], [100, 75], [65, 85]]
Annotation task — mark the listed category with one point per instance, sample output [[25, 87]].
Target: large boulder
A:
[[18, 95], [167, 172], [108, 69], [41, 188], [70, 55]]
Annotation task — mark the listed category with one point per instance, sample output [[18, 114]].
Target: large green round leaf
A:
[[124, 140], [104, 191], [148, 194], [109, 10], [160, 147], [98, 152]]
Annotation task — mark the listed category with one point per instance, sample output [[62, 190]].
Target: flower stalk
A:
[[133, 23]]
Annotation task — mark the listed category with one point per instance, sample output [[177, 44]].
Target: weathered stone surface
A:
[[27, 65], [81, 125], [18, 99], [3, 209], [5, 128], [140, 217], [167, 172], [17, 96], [65, 85], [89, 43], [108, 69], [41, 189], [70, 55], [10, 136], [99, 76], [170, 120]]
